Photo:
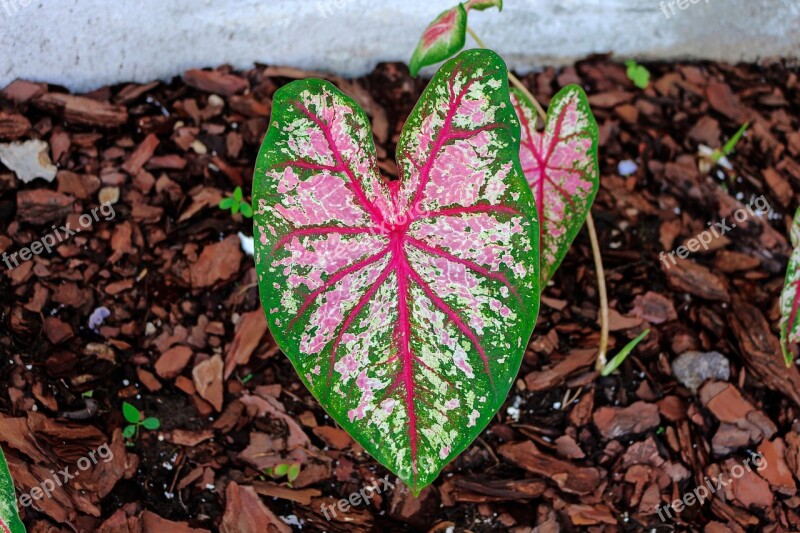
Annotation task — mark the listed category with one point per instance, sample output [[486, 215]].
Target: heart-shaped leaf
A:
[[9, 518], [404, 306], [443, 38], [790, 297], [560, 164]]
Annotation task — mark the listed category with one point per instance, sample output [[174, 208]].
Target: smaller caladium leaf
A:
[[790, 297], [443, 38], [9, 518], [561, 166], [480, 5]]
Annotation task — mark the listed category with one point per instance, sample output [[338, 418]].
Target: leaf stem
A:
[[601, 289], [598, 257]]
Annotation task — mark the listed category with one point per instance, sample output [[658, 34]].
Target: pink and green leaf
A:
[[9, 517], [790, 296], [442, 39], [560, 164], [480, 5], [405, 306]]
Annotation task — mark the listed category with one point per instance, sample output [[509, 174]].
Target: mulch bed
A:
[[186, 340]]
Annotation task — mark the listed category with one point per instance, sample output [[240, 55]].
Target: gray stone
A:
[[694, 368]]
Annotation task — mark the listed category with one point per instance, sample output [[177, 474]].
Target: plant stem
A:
[[601, 289], [598, 257]]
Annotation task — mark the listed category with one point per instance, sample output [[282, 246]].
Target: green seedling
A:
[[623, 354], [729, 146], [291, 471], [638, 74], [136, 420], [236, 204]]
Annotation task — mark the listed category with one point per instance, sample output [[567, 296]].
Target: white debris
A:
[[627, 167], [248, 244], [29, 160]]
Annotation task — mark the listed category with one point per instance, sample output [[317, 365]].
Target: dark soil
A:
[[568, 451]]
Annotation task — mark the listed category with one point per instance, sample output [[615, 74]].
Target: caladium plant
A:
[[9, 518], [790, 297], [405, 306]]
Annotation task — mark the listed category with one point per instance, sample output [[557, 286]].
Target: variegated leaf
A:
[[790, 297], [561, 166], [480, 5], [404, 306], [443, 38], [9, 518]]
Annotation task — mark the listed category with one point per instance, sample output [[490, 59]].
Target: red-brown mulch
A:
[[186, 340]]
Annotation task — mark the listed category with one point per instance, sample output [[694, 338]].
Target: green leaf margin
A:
[[8, 498], [790, 288]]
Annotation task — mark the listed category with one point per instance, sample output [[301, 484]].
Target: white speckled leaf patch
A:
[[405, 306], [790, 297], [9, 518], [560, 164]]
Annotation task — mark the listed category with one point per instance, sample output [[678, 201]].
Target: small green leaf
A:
[[237, 194], [9, 518], [480, 5], [293, 472], [226, 203], [235, 207], [612, 365], [129, 431], [151, 423], [443, 38], [269, 471], [280, 470], [247, 211], [247, 378], [638, 74], [88, 394], [731, 144], [131, 413]]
